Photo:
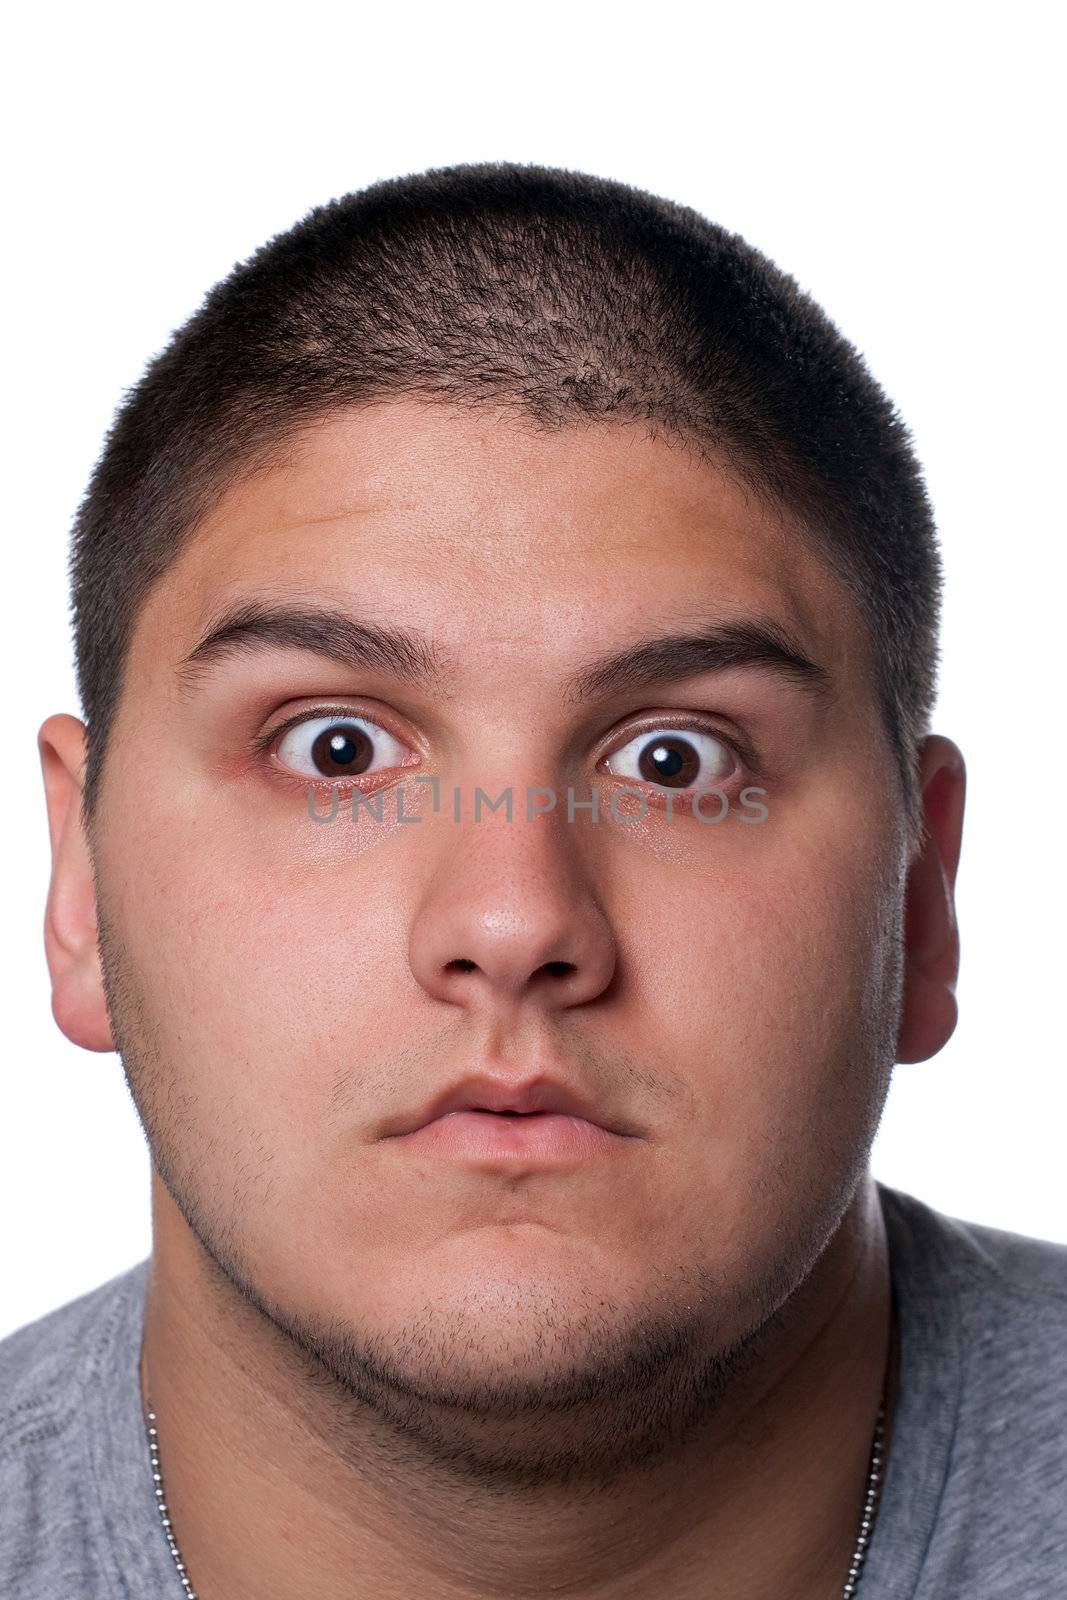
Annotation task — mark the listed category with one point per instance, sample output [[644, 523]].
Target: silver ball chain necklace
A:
[[870, 1502]]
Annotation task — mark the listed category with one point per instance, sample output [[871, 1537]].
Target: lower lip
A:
[[543, 1136]]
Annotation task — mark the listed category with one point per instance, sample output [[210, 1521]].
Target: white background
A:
[[902, 161]]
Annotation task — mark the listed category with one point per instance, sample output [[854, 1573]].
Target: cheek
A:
[[264, 978], [767, 986]]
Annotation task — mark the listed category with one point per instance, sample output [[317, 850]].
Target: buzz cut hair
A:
[[559, 297]]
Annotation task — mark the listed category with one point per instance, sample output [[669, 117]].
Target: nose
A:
[[510, 916]]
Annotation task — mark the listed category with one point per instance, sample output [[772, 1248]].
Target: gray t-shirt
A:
[[974, 1505]]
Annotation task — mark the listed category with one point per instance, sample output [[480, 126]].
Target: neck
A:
[[271, 1495]]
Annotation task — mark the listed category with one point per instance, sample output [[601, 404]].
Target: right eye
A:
[[340, 747]]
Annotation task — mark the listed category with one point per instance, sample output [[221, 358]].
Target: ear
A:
[[931, 936], [70, 932]]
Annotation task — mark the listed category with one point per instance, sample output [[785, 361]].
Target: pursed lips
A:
[[542, 1120]]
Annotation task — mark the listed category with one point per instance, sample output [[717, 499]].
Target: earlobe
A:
[[931, 936], [70, 925]]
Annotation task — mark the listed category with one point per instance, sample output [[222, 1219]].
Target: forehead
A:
[[490, 534]]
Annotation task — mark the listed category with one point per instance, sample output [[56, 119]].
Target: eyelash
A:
[[738, 747]]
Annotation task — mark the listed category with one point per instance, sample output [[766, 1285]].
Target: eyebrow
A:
[[322, 629], [744, 642], [404, 653]]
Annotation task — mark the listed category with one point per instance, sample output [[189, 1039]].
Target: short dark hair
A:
[[563, 297]]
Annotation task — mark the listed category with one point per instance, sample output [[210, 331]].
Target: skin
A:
[[360, 1355]]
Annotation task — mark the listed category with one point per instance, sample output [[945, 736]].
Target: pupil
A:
[[670, 760], [340, 754]]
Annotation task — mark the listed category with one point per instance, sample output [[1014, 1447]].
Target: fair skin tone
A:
[[339, 1314]]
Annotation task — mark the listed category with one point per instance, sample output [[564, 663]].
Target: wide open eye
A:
[[674, 758], [340, 747]]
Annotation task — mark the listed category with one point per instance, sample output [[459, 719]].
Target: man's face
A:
[[291, 994]]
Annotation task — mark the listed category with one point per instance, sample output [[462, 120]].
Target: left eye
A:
[[340, 747], [673, 757]]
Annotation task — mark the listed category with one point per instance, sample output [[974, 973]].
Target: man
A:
[[506, 847]]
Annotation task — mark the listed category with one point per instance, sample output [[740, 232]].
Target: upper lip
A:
[[482, 1092]]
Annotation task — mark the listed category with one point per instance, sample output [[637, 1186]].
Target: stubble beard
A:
[[609, 1394]]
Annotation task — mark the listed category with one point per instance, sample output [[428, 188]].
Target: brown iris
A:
[[671, 760], [342, 750]]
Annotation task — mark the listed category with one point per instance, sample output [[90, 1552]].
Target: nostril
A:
[[560, 969], [460, 964]]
